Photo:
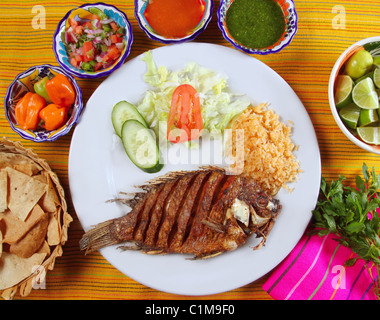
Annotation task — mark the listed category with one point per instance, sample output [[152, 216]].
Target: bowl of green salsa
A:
[[258, 26]]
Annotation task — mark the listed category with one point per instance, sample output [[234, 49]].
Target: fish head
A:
[[246, 214]]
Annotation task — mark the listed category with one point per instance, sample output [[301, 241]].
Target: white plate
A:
[[99, 169]]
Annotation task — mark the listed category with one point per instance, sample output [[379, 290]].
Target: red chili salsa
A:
[[174, 18]]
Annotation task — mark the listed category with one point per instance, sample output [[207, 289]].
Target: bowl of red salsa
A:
[[258, 26], [173, 21], [93, 40]]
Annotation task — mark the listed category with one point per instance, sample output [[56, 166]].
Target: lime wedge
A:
[[369, 135], [364, 94], [350, 115], [376, 77], [376, 61], [368, 117], [343, 90]]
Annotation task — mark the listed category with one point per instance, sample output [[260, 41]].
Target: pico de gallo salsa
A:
[[95, 43]]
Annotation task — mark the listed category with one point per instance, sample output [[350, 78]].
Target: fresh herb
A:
[[351, 214]]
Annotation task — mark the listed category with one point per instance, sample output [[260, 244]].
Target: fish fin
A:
[[133, 199], [166, 178], [97, 238], [212, 168], [137, 246], [259, 233], [214, 225], [206, 255], [131, 245], [173, 175]]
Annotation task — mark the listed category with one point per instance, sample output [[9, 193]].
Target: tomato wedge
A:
[[185, 115]]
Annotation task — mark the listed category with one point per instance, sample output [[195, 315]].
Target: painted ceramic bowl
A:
[[82, 15], [22, 84], [291, 20], [140, 10], [373, 46]]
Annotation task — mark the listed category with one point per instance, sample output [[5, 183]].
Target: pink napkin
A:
[[315, 270]]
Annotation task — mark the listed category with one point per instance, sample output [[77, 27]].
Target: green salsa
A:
[[255, 23]]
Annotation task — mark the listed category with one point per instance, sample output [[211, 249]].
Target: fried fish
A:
[[203, 213]]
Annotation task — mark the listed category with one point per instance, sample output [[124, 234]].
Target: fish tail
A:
[[98, 237]]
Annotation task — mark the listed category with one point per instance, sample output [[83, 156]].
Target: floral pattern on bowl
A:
[[291, 26], [22, 84], [140, 6], [60, 50]]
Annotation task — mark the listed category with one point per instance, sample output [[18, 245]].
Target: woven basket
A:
[[38, 276]]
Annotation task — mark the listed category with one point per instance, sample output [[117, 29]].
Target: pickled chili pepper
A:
[[61, 91], [27, 111], [39, 88], [54, 116]]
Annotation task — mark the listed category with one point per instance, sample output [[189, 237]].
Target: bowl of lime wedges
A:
[[354, 91]]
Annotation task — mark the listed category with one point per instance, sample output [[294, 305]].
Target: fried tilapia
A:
[[203, 213]]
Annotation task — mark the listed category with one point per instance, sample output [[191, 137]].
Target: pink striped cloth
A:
[[315, 270]]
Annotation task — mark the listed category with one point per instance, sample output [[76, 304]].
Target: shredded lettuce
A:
[[218, 105]]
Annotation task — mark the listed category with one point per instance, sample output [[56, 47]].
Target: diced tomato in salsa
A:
[[116, 38], [88, 51]]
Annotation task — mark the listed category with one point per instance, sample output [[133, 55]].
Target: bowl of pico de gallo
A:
[[93, 40]]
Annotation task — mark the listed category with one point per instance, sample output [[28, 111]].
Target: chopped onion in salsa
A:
[[94, 44]]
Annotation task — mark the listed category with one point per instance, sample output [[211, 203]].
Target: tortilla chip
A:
[[14, 269], [24, 193], [53, 231], [1, 243], [32, 241], [44, 249], [3, 191], [49, 200], [19, 162], [15, 228]]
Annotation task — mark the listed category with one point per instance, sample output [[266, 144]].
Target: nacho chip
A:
[[19, 162], [15, 228], [24, 193], [1, 243], [49, 200], [53, 235], [32, 240], [14, 269], [3, 191]]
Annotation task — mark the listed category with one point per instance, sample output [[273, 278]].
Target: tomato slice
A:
[[185, 115]]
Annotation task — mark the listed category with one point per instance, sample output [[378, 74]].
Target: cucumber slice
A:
[[123, 111], [140, 145]]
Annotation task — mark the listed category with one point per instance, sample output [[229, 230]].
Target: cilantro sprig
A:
[[352, 214]]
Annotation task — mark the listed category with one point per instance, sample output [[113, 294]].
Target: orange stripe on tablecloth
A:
[[339, 280]]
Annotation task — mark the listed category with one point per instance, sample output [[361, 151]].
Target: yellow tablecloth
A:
[[305, 64]]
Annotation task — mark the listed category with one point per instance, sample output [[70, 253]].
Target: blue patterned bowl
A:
[[22, 84], [291, 20], [60, 50], [140, 7]]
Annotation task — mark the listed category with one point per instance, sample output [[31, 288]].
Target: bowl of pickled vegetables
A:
[[43, 103], [354, 92], [93, 40]]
